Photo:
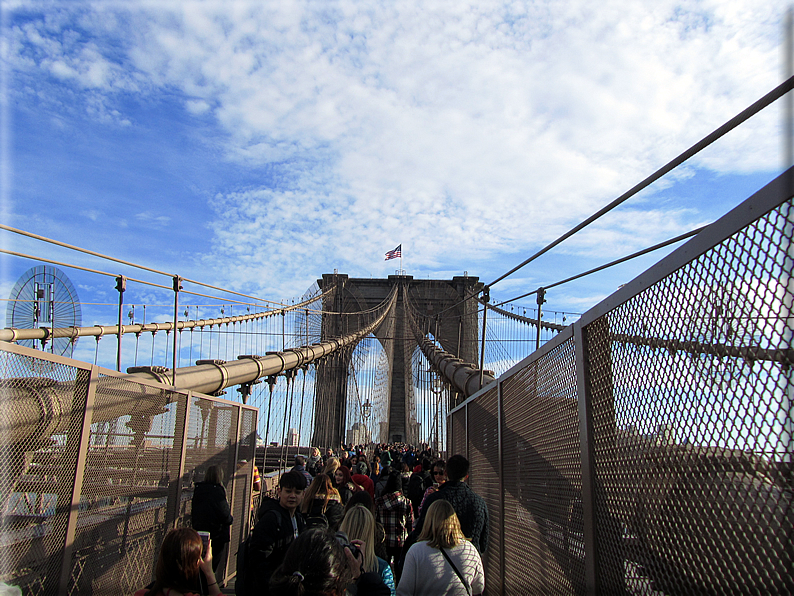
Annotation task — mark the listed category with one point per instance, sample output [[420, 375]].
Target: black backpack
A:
[[244, 559], [317, 521]]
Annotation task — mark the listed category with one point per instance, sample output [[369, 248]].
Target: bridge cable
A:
[[744, 115], [128, 263], [608, 265]]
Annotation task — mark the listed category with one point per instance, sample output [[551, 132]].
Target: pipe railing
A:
[[11, 334]]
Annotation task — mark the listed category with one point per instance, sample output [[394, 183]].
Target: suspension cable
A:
[[607, 265], [745, 114]]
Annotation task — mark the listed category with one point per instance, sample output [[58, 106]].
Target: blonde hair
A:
[[359, 524], [442, 527], [214, 475], [331, 466]]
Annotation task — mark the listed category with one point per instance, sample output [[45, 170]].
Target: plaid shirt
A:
[[394, 512]]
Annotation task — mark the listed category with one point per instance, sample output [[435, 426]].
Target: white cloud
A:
[[197, 106], [151, 219], [460, 129]]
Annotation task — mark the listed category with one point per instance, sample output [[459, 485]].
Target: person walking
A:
[[439, 475], [442, 562], [343, 482], [314, 465], [322, 501], [359, 524], [210, 512], [280, 522], [300, 466], [470, 507], [394, 512]]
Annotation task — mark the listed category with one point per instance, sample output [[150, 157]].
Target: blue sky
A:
[[258, 145]]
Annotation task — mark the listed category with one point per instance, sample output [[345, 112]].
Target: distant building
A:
[[292, 439], [358, 435]]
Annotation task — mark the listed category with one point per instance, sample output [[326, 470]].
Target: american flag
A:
[[394, 254]]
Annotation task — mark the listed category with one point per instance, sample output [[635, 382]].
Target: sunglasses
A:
[[438, 473]]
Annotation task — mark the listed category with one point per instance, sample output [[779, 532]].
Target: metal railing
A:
[[96, 468], [647, 448]]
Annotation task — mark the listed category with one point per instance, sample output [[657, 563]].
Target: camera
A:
[[344, 541]]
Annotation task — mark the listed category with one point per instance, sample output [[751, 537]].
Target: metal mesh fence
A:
[[692, 450], [647, 448], [485, 478], [457, 437], [97, 468], [542, 475]]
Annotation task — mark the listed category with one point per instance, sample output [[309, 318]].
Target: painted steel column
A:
[[121, 286], [500, 448], [177, 288], [541, 298], [79, 475], [587, 456], [175, 490], [486, 298], [245, 501]]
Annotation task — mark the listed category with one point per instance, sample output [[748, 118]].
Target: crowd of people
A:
[[396, 521]]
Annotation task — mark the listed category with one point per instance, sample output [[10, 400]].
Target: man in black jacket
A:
[[470, 507], [280, 522]]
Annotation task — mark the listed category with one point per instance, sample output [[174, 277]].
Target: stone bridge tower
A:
[[452, 323]]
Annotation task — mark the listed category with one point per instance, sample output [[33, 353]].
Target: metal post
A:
[[587, 455], [177, 288], [541, 298], [460, 335], [77, 486], [246, 500], [121, 287], [52, 314], [466, 410], [500, 452], [175, 488], [486, 296], [788, 72]]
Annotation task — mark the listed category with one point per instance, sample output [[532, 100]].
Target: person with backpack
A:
[[394, 512], [280, 522], [322, 505], [418, 483], [470, 507]]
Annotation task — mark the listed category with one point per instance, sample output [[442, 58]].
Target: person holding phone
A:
[[181, 569]]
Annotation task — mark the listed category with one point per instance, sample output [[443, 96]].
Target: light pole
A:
[[366, 411]]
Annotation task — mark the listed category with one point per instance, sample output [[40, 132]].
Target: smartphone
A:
[[205, 543]]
